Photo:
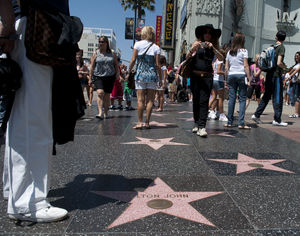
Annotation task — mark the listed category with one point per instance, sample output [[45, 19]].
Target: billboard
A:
[[129, 25], [169, 26], [158, 30], [138, 30]]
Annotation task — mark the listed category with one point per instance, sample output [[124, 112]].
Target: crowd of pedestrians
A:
[[29, 138]]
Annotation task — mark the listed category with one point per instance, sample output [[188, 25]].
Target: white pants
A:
[[29, 135]]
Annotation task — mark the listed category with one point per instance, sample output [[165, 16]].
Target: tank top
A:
[[104, 65]]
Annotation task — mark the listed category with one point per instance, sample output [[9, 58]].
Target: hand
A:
[[209, 44]]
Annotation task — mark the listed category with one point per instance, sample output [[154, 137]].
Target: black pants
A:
[[273, 86], [201, 88]]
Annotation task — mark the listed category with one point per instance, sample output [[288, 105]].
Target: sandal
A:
[[228, 125], [244, 127], [138, 127], [147, 126]]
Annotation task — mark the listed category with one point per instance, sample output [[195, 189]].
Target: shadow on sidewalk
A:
[[81, 193]]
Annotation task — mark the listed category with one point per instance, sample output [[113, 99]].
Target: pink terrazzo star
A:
[[158, 124], [158, 114], [187, 119], [245, 163], [179, 203], [185, 112], [156, 143], [223, 134]]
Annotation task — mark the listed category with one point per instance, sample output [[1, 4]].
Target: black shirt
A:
[[203, 59]]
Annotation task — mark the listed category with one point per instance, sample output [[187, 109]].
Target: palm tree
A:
[[139, 5]]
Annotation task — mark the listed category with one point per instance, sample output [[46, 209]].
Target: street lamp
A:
[[134, 26]]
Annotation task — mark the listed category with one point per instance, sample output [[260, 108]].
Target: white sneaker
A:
[[257, 120], [195, 129], [202, 132], [45, 215], [223, 117], [275, 123], [212, 115]]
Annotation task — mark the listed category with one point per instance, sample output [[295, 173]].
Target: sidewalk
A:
[[166, 181]]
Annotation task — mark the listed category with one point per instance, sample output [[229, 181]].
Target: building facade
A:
[[89, 40], [259, 21]]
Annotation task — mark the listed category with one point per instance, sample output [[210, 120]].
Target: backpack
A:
[[267, 59]]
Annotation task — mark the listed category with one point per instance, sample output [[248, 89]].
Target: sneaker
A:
[[119, 108], [212, 115], [275, 123], [195, 129], [255, 119], [45, 215], [223, 117], [294, 116], [112, 108], [202, 132]]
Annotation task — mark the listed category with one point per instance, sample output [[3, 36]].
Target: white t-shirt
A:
[[216, 75], [142, 46], [236, 63], [295, 77]]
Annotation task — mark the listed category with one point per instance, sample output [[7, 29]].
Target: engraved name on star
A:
[[158, 197], [246, 163], [156, 143]]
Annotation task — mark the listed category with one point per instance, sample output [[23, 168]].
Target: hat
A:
[[200, 30]]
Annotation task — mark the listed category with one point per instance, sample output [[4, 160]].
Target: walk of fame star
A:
[[156, 143], [158, 114], [245, 163], [187, 119], [158, 197], [220, 133], [185, 112], [160, 124]]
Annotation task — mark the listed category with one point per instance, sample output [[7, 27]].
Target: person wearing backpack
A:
[[274, 84]]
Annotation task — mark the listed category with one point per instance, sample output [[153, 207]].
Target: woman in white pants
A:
[[29, 140]]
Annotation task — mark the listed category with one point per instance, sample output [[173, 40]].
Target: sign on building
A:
[[169, 26], [158, 30]]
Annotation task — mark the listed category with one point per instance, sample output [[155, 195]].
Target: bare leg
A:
[[106, 103], [247, 103], [91, 93], [213, 98], [140, 105], [297, 108], [161, 100], [220, 101], [100, 100], [150, 100]]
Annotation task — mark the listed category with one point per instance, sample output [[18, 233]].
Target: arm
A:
[[92, 67], [194, 48], [256, 73], [246, 66], [133, 59], [165, 76], [219, 70], [116, 67], [7, 25]]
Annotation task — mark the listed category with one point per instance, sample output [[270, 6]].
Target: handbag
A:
[[44, 35], [132, 73], [185, 69]]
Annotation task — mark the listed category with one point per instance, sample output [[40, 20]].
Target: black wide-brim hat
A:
[[200, 30]]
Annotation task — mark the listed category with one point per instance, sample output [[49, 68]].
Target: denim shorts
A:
[[145, 85], [218, 85]]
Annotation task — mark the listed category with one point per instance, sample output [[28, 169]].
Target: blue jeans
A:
[[273, 86], [237, 82]]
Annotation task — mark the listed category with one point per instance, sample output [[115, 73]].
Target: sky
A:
[[110, 14]]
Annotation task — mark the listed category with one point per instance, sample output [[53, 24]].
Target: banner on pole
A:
[[169, 26], [129, 28]]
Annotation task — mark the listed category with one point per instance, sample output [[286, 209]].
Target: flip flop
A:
[[137, 127], [244, 127], [147, 126]]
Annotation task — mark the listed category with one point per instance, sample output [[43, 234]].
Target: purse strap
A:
[[144, 54]]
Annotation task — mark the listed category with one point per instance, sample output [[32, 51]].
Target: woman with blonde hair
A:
[[104, 71], [148, 73]]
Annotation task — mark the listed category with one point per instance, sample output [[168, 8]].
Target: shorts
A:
[[140, 85], [218, 85], [84, 82], [251, 89], [105, 83]]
